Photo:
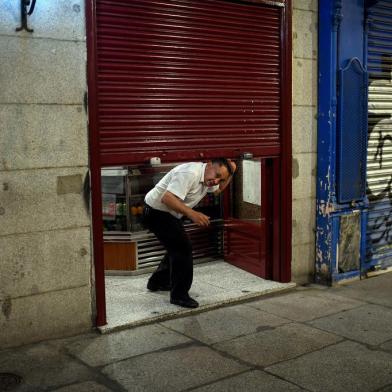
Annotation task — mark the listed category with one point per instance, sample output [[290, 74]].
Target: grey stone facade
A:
[[304, 126], [45, 240], [46, 287]]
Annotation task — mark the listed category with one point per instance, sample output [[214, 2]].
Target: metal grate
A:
[[379, 159], [207, 244], [9, 381], [352, 128]]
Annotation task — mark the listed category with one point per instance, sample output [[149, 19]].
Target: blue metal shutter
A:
[[379, 159]]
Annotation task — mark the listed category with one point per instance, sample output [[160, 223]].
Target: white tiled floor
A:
[[129, 303]]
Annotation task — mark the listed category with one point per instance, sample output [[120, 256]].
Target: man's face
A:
[[215, 174]]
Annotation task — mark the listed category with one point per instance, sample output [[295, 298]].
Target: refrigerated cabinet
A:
[[127, 245]]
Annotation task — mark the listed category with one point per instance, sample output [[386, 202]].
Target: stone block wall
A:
[[45, 239], [304, 68]]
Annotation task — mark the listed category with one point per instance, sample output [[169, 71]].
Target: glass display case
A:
[[114, 199], [123, 192]]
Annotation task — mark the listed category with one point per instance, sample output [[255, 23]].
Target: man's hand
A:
[[233, 165], [174, 203], [199, 218]]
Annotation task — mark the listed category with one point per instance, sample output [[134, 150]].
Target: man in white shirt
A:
[[172, 198]]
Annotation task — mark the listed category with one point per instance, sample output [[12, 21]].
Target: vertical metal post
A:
[[95, 167], [285, 166], [326, 146]]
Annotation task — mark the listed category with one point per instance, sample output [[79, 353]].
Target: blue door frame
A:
[[342, 133]]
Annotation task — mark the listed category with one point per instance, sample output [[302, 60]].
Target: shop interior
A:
[[223, 253]]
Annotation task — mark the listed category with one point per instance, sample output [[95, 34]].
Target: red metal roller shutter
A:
[[177, 78]]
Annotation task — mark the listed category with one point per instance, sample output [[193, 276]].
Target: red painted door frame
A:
[[95, 166], [282, 224], [259, 252]]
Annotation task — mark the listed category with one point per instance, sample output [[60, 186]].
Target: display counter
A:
[[128, 247]]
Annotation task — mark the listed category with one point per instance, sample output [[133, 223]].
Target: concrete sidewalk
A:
[[313, 338]]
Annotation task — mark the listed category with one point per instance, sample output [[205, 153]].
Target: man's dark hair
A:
[[223, 162]]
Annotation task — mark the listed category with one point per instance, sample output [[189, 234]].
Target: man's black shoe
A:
[[155, 286], [185, 303]]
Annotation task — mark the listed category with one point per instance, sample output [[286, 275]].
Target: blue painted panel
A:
[[326, 139], [345, 276], [351, 31], [341, 38], [352, 132]]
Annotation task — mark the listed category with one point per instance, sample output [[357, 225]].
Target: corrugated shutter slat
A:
[[379, 162], [186, 76]]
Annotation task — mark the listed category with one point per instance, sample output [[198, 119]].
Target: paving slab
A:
[[377, 289], [122, 283], [305, 304], [253, 381], [172, 370], [88, 386], [42, 366], [126, 308], [105, 349], [371, 324], [386, 389], [206, 293], [228, 277], [225, 323], [346, 366], [387, 346], [277, 344]]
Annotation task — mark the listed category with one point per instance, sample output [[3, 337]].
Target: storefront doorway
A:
[[186, 81], [232, 257]]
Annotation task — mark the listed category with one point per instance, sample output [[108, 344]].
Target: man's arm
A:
[[176, 204]]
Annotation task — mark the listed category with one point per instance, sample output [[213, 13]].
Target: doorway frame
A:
[[283, 221]]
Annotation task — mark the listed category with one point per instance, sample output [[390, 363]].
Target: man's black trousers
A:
[[176, 268]]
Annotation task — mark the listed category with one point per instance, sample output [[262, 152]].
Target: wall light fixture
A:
[[24, 12]]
